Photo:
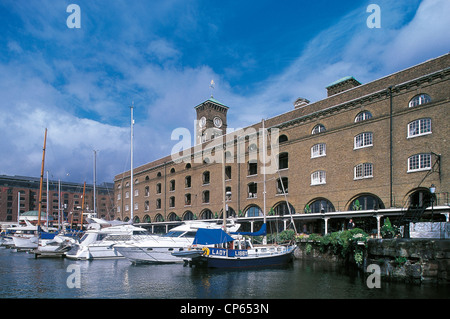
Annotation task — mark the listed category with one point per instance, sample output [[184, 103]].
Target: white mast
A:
[[95, 182], [264, 177], [131, 174], [18, 207]]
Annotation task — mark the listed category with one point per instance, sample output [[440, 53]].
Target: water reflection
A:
[[22, 276]]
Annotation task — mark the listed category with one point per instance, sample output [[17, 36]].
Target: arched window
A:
[[252, 166], [173, 217], [363, 140], [318, 150], [319, 128], [362, 116], [146, 205], [207, 214], [205, 197], [366, 202], [172, 201], [283, 138], [253, 211], [187, 182], [146, 219], [159, 218], [252, 190], [187, 199], [282, 209], [283, 161], [188, 215], [206, 178], [364, 170], [320, 205], [172, 170], [419, 127], [282, 185], [419, 100], [419, 162], [318, 178]]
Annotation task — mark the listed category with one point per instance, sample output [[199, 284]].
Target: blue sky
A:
[[162, 55]]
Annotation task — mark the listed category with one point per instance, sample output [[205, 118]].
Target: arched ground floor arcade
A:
[[321, 223]]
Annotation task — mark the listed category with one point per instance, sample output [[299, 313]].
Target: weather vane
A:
[[212, 87]]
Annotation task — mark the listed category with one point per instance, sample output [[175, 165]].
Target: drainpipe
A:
[[390, 147]]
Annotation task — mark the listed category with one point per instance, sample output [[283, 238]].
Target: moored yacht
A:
[[159, 249], [99, 240]]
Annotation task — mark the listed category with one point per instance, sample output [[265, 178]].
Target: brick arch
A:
[[316, 204], [366, 201]]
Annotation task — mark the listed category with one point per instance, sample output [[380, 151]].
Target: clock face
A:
[[202, 122], [217, 122]]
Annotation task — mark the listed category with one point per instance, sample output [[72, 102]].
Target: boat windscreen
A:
[[173, 234]]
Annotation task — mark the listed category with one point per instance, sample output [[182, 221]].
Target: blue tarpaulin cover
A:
[[211, 236], [261, 232]]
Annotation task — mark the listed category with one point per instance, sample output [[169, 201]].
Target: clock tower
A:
[[211, 120]]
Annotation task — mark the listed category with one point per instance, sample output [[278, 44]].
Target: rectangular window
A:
[[318, 150], [363, 140], [419, 127], [419, 162], [318, 178], [364, 170]]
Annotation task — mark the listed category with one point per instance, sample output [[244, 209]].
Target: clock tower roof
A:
[[214, 101]]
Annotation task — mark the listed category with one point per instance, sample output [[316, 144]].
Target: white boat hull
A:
[[154, 255], [25, 242], [93, 252]]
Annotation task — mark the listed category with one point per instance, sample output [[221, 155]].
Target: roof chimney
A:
[[341, 85], [300, 102]]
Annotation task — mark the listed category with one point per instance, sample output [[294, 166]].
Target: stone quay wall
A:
[[411, 260], [401, 260]]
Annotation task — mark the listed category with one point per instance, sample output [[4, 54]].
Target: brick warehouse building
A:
[[367, 151], [71, 198]]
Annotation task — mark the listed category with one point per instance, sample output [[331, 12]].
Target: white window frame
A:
[[419, 100], [363, 116], [363, 140], [318, 150], [318, 178], [420, 162], [363, 170], [319, 128], [419, 127]]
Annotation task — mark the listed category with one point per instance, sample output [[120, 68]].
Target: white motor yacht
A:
[[27, 237], [98, 241], [159, 249]]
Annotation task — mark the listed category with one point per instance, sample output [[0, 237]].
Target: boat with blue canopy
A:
[[214, 248]]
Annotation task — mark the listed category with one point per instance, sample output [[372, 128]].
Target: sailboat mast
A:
[[48, 204], [131, 160], [82, 205], [224, 226], [264, 176], [95, 182], [41, 181]]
